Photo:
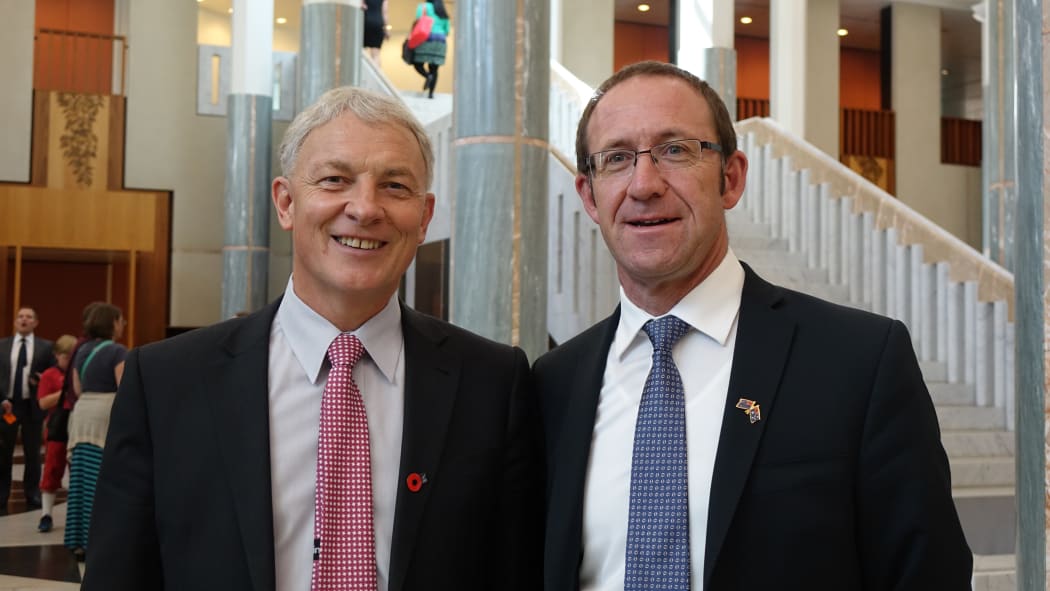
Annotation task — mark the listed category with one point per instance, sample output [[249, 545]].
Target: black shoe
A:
[[45, 524]]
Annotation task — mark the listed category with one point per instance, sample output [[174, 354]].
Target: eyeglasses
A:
[[670, 155]]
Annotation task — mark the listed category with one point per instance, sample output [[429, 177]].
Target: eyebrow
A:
[[349, 170], [664, 136]]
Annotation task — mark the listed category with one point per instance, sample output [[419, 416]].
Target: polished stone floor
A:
[[32, 560]]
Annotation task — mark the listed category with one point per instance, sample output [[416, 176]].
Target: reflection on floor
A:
[[36, 561]]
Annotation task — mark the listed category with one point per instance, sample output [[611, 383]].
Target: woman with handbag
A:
[[431, 52], [97, 369], [49, 397]]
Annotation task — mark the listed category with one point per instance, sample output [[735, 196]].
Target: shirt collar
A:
[[711, 307], [309, 334]]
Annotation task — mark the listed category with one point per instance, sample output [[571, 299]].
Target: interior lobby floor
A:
[[36, 561]]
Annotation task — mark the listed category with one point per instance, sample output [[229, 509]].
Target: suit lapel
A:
[[763, 342], [237, 388], [431, 383], [568, 471]]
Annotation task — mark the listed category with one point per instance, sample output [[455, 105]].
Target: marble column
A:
[[804, 70], [249, 115], [499, 238], [999, 130], [1032, 296], [705, 45], [330, 47]]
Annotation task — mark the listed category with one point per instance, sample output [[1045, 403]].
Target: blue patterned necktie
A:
[[658, 522]]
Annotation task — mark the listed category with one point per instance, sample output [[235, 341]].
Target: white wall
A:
[[16, 88]]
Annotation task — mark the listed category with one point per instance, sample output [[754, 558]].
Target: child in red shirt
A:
[[48, 392]]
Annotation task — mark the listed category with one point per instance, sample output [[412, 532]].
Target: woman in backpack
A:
[[432, 51]]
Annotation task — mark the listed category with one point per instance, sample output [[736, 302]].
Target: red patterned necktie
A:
[[344, 538]]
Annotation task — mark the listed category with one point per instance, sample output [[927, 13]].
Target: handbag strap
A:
[[100, 346]]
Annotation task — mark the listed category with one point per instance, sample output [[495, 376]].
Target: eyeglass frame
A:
[[704, 145]]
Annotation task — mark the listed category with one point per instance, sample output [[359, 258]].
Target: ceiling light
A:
[[842, 32], [281, 20], [746, 20], [390, 27], [199, 1], [644, 8], [229, 10], [945, 72]]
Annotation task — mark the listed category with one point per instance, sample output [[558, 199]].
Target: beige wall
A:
[[947, 194], [170, 147], [16, 87], [585, 38], [213, 28], [822, 73]]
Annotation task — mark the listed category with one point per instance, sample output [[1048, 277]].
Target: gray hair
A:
[[366, 105]]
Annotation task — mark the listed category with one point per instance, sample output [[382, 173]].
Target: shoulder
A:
[[566, 356], [416, 325], [191, 347]]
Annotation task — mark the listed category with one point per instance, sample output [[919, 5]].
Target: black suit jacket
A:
[[184, 495], [42, 358], [843, 483]]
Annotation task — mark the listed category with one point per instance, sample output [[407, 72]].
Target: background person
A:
[[97, 371], [432, 51], [23, 358], [49, 392], [375, 28]]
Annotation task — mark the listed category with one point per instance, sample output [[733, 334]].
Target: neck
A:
[[657, 298]]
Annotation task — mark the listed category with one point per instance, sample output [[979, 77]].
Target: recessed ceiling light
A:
[[281, 20], [842, 32], [199, 1], [945, 72], [229, 10], [644, 8], [746, 20], [390, 27]]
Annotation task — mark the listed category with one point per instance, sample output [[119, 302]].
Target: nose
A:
[[363, 204], [646, 180]]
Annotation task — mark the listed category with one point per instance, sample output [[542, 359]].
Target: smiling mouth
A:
[[359, 243], [648, 223]]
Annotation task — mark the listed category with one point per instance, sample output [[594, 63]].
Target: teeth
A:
[[363, 244], [651, 222]]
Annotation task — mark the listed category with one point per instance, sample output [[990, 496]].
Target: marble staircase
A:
[[812, 242]]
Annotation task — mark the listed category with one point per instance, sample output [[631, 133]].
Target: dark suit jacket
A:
[[42, 358], [843, 483], [184, 494]]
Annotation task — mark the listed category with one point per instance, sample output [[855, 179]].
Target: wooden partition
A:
[[747, 108], [960, 141]]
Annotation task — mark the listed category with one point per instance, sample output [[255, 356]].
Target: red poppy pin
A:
[[416, 481]]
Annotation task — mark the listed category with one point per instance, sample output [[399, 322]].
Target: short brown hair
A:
[[64, 344], [100, 320], [723, 122]]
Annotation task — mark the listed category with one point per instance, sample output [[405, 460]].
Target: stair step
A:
[[951, 394], [954, 418], [934, 371], [982, 472], [994, 572], [978, 444]]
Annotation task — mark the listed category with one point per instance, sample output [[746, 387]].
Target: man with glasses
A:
[[717, 431]]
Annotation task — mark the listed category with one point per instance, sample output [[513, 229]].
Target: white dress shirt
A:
[[704, 357], [21, 391], [299, 340]]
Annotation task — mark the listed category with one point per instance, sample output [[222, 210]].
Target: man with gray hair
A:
[[335, 439]]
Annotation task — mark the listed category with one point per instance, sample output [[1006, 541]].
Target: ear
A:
[[735, 178], [428, 214], [281, 193], [585, 188]]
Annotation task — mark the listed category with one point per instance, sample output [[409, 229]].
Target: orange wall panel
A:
[[752, 67], [859, 79], [635, 43], [80, 64]]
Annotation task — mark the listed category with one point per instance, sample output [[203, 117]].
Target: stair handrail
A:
[[965, 263], [568, 98]]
